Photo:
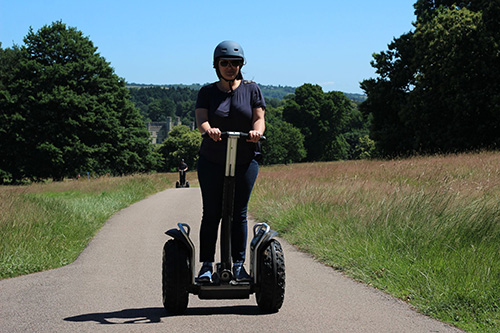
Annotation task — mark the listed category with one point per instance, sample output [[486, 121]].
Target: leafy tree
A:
[[72, 113], [365, 148], [321, 118], [285, 143], [439, 88], [160, 109], [455, 108], [355, 130], [181, 143]]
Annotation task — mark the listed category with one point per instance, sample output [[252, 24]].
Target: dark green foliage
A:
[[10, 120], [356, 135], [182, 143], [285, 143], [156, 103], [439, 86], [325, 120], [65, 112]]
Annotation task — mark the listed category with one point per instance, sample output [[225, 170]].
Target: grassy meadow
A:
[[44, 226], [426, 230]]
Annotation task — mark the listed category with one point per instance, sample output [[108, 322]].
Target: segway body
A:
[[182, 182], [267, 264]]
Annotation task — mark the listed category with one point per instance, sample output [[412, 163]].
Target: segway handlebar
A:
[[227, 134]]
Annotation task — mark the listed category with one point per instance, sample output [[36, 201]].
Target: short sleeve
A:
[[202, 101], [258, 100]]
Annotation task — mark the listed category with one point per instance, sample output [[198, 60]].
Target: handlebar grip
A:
[[226, 134]]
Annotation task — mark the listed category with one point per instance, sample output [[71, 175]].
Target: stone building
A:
[[159, 130]]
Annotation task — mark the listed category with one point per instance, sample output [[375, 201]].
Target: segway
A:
[[182, 182], [267, 263]]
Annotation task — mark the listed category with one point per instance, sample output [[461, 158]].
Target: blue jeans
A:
[[211, 178]]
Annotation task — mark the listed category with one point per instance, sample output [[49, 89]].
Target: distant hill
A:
[[276, 91], [268, 91], [358, 98]]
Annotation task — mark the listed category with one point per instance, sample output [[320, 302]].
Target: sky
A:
[[287, 43]]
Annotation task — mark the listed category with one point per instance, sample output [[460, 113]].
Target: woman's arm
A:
[[258, 125], [204, 126]]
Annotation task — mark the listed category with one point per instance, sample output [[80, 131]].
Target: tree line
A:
[[63, 112], [156, 103]]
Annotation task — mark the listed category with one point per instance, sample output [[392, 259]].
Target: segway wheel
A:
[[177, 184], [187, 184], [271, 278], [176, 277]]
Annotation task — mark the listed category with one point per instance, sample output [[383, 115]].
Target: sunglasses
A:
[[234, 63]]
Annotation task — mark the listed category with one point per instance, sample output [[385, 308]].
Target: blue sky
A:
[[325, 42]]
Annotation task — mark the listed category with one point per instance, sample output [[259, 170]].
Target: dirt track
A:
[[115, 286]]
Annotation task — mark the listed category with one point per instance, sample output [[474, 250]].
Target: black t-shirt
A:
[[230, 112]]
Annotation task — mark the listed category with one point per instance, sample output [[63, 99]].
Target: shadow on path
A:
[[126, 316], [154, 315]]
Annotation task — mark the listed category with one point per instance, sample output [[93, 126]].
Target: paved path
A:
[[115, 286]]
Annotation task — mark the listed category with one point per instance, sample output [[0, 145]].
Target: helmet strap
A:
[[230, 83]]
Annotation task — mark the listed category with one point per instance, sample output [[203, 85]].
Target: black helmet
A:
[[228, 49]]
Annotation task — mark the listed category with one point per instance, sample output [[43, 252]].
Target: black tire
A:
[[176, 277], [271, 278], [187, 184], [177, 184]]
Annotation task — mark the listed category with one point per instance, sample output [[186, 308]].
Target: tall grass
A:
[[426, 230], [45, 226]]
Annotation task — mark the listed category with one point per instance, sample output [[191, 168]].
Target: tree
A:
[[452, 91], [285, 144], [11, 121], [160, 109], [73, 114], [181, 143], [438, 88], [321, 118], [355, 133], [365, 148]]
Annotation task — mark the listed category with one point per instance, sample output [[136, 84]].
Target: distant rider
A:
[[182, 171]]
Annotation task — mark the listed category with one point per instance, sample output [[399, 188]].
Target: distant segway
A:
[[182, 182], [267, 262], [182, 175]]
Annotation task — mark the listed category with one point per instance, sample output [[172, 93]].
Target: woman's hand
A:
[[254, 136], [214, 133]]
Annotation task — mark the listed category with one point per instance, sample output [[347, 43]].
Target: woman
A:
[[230, 104]]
